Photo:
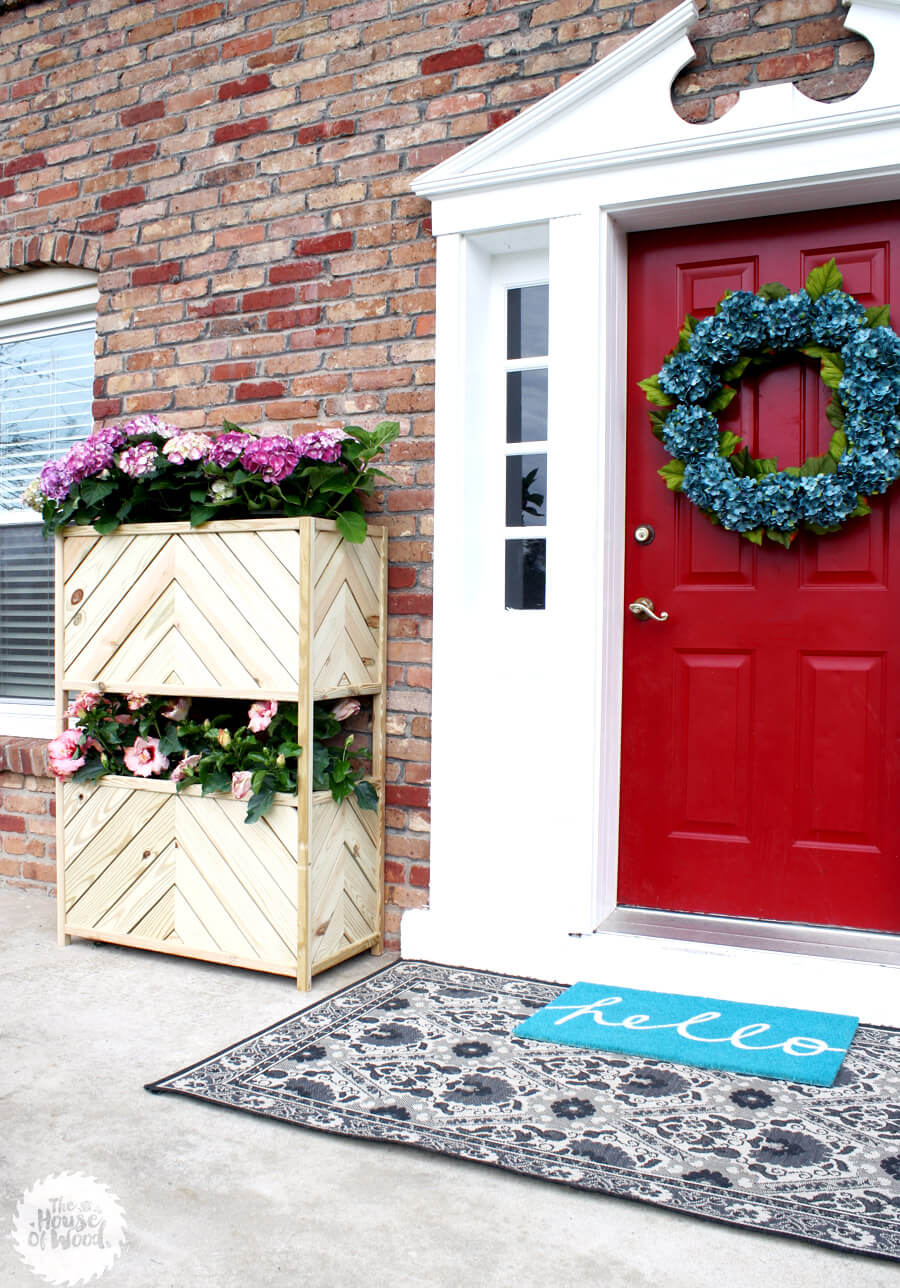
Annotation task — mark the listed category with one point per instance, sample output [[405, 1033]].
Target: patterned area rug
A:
[[424, 1055]]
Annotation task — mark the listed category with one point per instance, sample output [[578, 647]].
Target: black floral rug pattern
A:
[[423, 1055]]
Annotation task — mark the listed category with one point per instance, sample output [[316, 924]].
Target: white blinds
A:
[[46, 388]]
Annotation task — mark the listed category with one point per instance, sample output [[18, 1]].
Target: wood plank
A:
[[304, 762], [89, 645], [75, 551], [117, 856], [239, 846], [208, 907], [182, 525], [59, 701], [349, 950], [248, 898], [178, 950], [144, 893], [276, 583], [189, 928], [124, 813], [159, 921]]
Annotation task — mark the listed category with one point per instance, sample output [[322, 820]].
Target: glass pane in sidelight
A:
[[526, 572], [527, 321], [526, 406], [526, 490]]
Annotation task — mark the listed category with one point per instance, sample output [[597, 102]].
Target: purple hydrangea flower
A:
[[274, 457], [89, 457], [142, 425], [113, 436], [187, 445], [226, 448], [139, 460], [56, 479], [321, 444]]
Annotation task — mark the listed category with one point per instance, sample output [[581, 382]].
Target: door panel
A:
[[761, 721]]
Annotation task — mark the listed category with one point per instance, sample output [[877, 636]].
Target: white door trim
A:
[[523, 867]]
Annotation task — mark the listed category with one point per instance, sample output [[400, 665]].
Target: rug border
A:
[[156, 1088]]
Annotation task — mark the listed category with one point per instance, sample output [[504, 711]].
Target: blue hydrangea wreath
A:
[[859, 359]]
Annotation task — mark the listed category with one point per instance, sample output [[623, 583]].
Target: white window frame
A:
[[39, 302]]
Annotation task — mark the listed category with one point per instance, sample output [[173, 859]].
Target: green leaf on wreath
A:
[[728, 441], [816, 351], [878, 315], [684, 335], [741, 462], [673, 473], [765, 465], [653, 393], [737, 368], [822, 530], [835, 413], [862, 508], [826, 277], [720, 401], [756, 536], [838, 445], [832, 370], [657, 420], [781, 538], [773, 291]]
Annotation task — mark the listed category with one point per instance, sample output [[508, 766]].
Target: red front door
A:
[[761, 721]]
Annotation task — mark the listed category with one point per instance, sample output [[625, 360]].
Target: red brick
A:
[[419, 875], [242, 45], [301, 272], [787, 66], [7, 187], [62, 192], [124, 197], [451, 59], [233, 371], [241, 129], [19, 165], [420, 604], [239, 88], [10, 823], [257, 301], [324, 244], [400, 794], [394, 872], [152, 274], [194, 17], [264, 389], [143, 112], [289, 319], [132, 156], [27, 88], [325, 130], [399, 578]]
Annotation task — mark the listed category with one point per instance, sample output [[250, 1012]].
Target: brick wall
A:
[[27, 815], [240, 173]]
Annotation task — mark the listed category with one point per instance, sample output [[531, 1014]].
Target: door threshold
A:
[[869, 946]]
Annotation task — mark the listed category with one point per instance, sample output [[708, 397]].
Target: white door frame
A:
[[775, 152]]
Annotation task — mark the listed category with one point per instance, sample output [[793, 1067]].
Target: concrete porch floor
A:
[[217, 1199]]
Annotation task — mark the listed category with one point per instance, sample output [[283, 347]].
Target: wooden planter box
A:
[[272, 608]]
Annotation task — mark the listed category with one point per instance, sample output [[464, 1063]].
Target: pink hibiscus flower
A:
[[261, 714], [145, 758], [62, 752]]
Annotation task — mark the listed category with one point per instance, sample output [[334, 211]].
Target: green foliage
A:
[[673, 473], [654, 394], [773, 291], [826, 277], [878, 315]]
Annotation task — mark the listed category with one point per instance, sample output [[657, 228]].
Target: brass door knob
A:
[[643, 610]]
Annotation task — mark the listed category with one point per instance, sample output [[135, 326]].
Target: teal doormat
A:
[[740, 1037]]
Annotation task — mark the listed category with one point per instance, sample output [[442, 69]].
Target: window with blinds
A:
[[46, 389]]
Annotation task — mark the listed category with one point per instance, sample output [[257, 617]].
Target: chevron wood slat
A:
[[242, 610]]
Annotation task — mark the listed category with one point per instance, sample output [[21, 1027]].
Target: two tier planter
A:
[[243, 609]]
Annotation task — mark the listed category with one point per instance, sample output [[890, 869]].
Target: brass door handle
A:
[[643, 610]]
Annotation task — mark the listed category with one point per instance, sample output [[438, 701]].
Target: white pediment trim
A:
[[631, 87]]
